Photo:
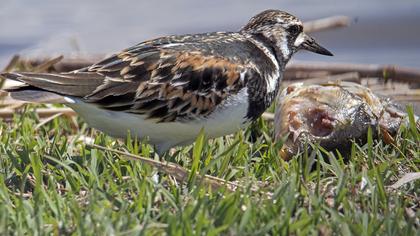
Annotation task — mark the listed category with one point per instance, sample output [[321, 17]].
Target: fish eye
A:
[[294, 29]]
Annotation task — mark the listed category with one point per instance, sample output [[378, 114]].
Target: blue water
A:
[[383, 31]]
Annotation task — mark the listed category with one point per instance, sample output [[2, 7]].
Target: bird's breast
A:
[[227, 118]]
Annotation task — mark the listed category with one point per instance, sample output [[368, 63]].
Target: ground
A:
[[53, 182]]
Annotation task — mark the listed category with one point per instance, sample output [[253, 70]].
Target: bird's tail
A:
[[52, 88]]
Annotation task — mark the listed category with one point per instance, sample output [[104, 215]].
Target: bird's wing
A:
[[165, 83], [160, 81]]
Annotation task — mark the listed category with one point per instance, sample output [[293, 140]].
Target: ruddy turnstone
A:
[[170, 88]]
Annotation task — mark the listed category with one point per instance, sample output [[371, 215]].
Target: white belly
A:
[[226, 119]]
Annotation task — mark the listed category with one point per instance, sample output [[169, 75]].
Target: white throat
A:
[[284, 47]]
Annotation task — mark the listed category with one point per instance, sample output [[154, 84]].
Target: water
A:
[[383, 31]]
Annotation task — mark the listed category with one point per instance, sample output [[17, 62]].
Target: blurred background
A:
[[382, 31]]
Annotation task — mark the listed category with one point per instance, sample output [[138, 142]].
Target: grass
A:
[[51, 183]]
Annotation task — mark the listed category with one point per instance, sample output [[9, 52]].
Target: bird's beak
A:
[[308, 43]]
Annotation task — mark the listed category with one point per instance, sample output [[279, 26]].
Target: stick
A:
[[74, 63], [12, 63], [326, 24], [348, 77], [47, 120], [47, 64], [42, 112], [303, 70], [268, 116], [178, 172], [406, 98]]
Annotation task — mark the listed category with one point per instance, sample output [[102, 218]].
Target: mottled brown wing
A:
[[166, 84]]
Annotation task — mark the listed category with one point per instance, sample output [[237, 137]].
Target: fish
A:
[[333, 115]]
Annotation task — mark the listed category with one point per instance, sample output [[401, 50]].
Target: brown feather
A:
[[37, 96], [78, 85]]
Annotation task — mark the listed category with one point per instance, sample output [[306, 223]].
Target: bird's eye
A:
[[294, 29]]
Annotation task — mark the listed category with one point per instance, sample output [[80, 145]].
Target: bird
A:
[[170, 88]]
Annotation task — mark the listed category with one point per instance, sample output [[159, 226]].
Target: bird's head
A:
[[283, 31]]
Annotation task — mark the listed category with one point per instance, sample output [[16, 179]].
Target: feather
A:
[[78, 84], [37, 96]]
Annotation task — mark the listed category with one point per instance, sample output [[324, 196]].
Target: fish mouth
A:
[[321, 126], [322, 122]]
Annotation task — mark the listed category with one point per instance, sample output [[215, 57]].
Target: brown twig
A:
[[47, 120], [12, 63], [47, 64], [268, 116], [178, 172], [74, 63], [42, 112], [9, 67], [304, 70], [348, 77], [326, 23], [406, 98]]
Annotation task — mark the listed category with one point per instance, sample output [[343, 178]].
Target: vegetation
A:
[[53, 182]]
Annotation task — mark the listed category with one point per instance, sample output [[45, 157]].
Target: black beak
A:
[[310, 45]]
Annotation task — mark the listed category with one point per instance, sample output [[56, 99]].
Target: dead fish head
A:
[[332, 115]]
